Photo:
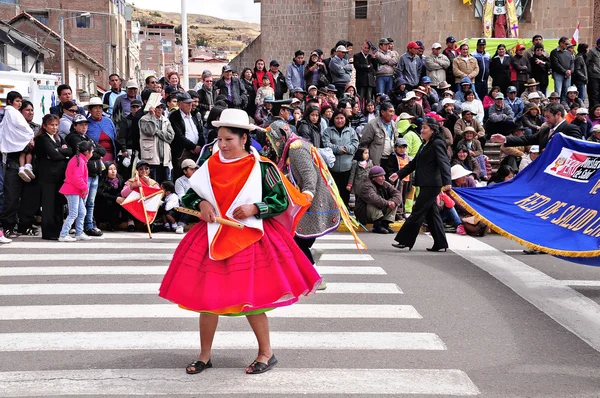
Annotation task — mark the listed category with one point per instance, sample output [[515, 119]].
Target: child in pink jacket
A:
[[75, 189]]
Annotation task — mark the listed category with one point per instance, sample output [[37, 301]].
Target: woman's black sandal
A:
[[261, 367], [198, 366]]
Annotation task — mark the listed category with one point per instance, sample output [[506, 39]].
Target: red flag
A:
[[575, 37], [152, 197]]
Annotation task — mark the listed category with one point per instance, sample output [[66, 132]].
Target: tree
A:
[[202, 41]]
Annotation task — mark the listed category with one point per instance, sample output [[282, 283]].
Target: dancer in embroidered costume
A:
[[221, 270]]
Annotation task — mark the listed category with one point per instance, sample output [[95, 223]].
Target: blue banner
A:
[[553, 205]]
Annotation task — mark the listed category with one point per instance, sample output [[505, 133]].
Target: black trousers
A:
[[30, 204], [305, 244], [341, 180], [52, 209], [340, 87], [13, 185], [366, 94], [511, 161], [424, 209], [593, 89]]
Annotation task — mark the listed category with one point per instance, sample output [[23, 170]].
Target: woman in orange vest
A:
[[220, 270]]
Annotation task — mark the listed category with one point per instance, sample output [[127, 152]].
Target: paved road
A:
[[483, 320]]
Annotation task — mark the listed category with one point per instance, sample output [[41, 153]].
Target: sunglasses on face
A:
[[73, 110]]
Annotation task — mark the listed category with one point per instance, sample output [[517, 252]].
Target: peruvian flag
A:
[[135, 205], [575, 37]]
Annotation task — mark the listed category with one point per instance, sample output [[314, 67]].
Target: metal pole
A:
[[62, 50], [110, 49], [184, 43]]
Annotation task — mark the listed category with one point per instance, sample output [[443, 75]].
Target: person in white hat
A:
[[595, 134], [122, 105], [409, 105], [340, 69], [221, 270], [534, 153], [436, 64], [572, 98], [582, 121]]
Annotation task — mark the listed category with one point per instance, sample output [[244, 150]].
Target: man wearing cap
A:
[[294, 73], [464, 65], [515, 102], [467, 120], [436, 64], [365, 73], [431, 94], [122, 105], [583, 122], [109, 98], [450, 53], [263, 115], [410, 66], [277, 80], [232, 88], [562, 63], [386, 63], [521, 67], [534, 153], [593, 69], [94, 165], [501, 118], [483, 61], [595, 134], [188, 140], [377, 202], [340, 69], [156, 135]]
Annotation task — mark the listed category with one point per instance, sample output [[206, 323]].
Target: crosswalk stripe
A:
[[152, 288], [335, 237], [335, 246], [280, 382], [101, 311], [145, 257], [166, 236], [155, 270], [346, 257], [140, 340], [580, 283], [93, 244]]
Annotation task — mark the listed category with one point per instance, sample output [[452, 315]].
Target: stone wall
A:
[[248, 56], [596, 22]]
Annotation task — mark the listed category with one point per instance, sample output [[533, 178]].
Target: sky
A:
[[241, 10]]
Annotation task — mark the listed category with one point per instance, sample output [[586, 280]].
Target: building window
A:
[[84, 22], [24, 63], [360, 9], [41, 16], [8, 2], [149, 47], [167, 49], [3, 53]]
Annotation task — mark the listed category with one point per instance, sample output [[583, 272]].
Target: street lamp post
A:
[[62, 43]]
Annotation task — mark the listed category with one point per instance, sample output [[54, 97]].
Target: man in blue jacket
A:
[[294, 73], [483, 60]]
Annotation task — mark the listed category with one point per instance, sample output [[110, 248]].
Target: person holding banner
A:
[[432, 174], [219, 269], [555, 123]]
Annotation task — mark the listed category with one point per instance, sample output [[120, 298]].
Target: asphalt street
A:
[[483, 319]]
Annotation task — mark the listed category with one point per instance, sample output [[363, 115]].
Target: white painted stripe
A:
[[127, 235], [139, 340], [346, 257], [101, 311], [155, 270], [336, 246], [141, 257], [152, 288], [229, 382], [510, 251], [580, 283], [336, 237], [150, 245], [571, 309]]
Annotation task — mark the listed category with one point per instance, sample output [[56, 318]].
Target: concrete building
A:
[[157, 47], [310, 24], [134, 64], [81, 69], [20, 51], [102, 35]]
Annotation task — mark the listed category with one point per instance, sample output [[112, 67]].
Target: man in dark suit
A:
[[555, 123], [189, 140], [365, 73]]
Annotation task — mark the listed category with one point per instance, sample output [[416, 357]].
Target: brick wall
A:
[[596, 22]]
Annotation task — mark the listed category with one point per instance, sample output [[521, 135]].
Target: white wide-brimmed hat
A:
[[458, 171], [236, 118], [410, 95], [95, 101]]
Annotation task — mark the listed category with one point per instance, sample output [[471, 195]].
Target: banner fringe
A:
[[529, 245]]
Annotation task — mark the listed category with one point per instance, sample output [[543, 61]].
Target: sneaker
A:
[[67, 238], [406, 215], [4, 239], [24, 175], [460, 230], [179, 229], [82, 237], [130, 228], [11, 233], [93, 232], [167, 228], [323, 285], [29, 171], [31, 231]]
